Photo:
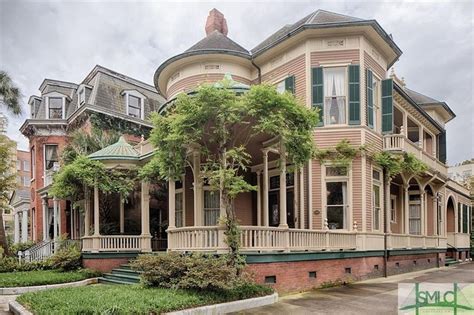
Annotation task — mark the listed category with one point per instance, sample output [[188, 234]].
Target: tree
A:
[[7, 182], [220, 124], [9, 93]]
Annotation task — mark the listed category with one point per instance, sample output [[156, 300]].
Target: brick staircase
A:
[[122, 275], [450, 261]]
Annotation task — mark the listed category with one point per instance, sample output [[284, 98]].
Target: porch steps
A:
[[122, 275], [450, 261]]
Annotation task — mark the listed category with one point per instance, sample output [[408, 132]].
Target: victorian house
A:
[[322, 222]]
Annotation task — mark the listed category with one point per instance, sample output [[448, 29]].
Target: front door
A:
[[274, 208]]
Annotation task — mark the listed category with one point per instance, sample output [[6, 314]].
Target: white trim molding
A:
[[135, 93]]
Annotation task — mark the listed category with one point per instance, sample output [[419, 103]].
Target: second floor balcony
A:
[[401, 143]]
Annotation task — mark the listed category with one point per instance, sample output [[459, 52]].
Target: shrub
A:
[[196, 271], [11, 264], [66, 259], [15, 248]]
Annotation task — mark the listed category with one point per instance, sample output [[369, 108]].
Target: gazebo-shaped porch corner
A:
[[123, 224]]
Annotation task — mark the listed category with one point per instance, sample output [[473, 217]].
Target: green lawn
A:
[[42, 277], [127, 299]]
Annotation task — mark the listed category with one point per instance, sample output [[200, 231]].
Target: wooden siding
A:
[[294, 67], [189, 83], [316, 197], [368, 195], [373, 65], [373, 141], [357, 191], [318, 57]]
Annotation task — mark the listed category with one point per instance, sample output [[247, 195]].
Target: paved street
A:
[[377, 296]]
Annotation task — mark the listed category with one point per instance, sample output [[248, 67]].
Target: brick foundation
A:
[[295, 276], [104, 264]]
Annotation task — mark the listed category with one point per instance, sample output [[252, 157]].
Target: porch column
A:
[[45, 219], [87, 215], [456, 217], [387, 206], [406, 204], [59, 219], [73, 230], [283, 215], [301, 196], [55, 218], [16, 233], [122, 215], [259, 199], [423, 213], [24, 226], [96, 239], [145, 205], [172, 204], [197, 189], [265, 187]]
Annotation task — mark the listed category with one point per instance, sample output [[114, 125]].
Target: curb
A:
[[20, 290], [234, 306], [18, 309]]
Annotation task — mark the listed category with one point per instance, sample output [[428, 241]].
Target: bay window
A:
[[336, 197], [335, 92]]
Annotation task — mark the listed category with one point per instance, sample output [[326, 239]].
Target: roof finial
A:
[[216, 22]]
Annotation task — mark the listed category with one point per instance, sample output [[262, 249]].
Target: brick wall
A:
[[104, 264]]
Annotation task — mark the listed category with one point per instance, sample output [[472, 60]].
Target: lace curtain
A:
[[335, 95]]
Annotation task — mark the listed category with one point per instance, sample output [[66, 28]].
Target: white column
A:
[[265, 187], [172, 203], [87, 214], [59, 219], [55, 218], [122, 215], [310, 195], [283, 214], [387, 206], [24, 226], [16, 233], [145, 207], [301, 196], [96, 211], [406, 203], [423, 212], [73, 230], [45, 219], [259, 199], [197, 189]]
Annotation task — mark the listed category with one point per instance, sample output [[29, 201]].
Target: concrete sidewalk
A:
[[375, 296]]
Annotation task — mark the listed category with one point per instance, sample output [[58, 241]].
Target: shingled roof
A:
[[217, 41], [121, 150], [320, 19], [421, 98]]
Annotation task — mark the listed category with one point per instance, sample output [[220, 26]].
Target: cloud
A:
[[64, 40]]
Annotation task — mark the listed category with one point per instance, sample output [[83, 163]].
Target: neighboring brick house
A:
[[104, 98]]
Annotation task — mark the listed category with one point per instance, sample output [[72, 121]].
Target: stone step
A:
[[121, 277], [121, 271], [112, 281]]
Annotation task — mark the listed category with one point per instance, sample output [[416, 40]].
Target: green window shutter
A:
[[464, 218], [387, 106], [354, 95], [459, 217], [369, 82], [290, 84], [442, 154], [317, 92]]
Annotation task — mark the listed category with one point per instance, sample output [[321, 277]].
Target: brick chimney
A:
[[216, 22]]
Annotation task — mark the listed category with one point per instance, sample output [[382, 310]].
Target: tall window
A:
[[50, 156], [211, 207], [55, 107], [26, 165], [414, 217], [82, 96], [376, 200], [179, 204], [393, 208], [335, 95], [336, 197], [376, 99], [33, 162], [134, 106]]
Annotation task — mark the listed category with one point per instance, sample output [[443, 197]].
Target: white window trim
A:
[[348, 179], [382, 208], [127, 93], [377, 107], [393, 198], [346, 82], [82, 88], [56, 95]]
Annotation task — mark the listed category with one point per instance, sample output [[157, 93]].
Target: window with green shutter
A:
[[370, 98], [464, 218], [317, 92], [354, 95], [290, 84], [459, 217], [387, 106]]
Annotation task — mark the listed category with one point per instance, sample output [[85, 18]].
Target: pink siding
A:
[[370, 63], [334, 55], [191, 82], [357, 191]]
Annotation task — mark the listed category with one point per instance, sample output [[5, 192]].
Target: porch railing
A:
[[115, 243], [37, 252], [402, 241]]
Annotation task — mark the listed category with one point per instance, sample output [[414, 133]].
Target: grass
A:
[[128, 299], [42, 277]]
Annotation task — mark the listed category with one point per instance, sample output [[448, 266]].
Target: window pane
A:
[[134, 106], [336, 171], [26, 165], [56, 107], [211, 207], [376, 175], [376, 196], [179, 209], [51, 156], [335, 217], [335, 193], [335, 95], [82, 96]]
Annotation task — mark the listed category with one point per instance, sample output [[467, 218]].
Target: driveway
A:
[[376, 296]]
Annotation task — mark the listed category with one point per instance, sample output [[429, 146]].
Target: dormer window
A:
[[134, 104], [82, 96], [55, 110], [34, 106], [82, 93]]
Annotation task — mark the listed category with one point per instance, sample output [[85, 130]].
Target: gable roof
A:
[[322, 19], [426, 101], [217, 41]]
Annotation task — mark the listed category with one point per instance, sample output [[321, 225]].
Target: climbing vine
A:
[[395, 164], [341, 155], [105, 122]]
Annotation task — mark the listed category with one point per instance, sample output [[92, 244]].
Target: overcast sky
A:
[[64, 40]]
